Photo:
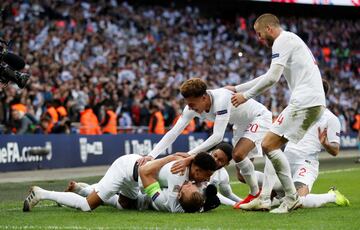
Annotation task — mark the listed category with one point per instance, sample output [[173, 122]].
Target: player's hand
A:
[[237, 99], [231, 88], [323, 136], [180, 166], [144, 159]]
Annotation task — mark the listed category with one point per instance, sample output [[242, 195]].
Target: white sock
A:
[[260, 178], [66, 198], [276, 187], [114, 201], [226, 201], [269, 178], [282, 168], [247, 170], [85, 191], [317, 200]]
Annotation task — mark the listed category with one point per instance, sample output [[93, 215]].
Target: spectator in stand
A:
[[43, 127], [22, 123], [356, 127], [135, 55]]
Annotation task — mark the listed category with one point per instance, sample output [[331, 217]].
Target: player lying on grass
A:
[[222, 156], [304, 164], [123, 176], [250, 123]]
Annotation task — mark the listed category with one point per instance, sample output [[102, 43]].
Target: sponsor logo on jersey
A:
[[275, 55], [221, 112]]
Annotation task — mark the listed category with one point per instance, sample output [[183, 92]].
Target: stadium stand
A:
[[85, 54]]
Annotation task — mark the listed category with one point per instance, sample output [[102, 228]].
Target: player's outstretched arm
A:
[[172, 134], [266, 81], [216, 137], [331, 147], [148, 172]]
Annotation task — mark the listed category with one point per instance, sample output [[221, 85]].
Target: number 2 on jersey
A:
[[302, 172]]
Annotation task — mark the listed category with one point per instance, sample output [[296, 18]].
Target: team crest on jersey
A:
[[275, 55], [221, 112]]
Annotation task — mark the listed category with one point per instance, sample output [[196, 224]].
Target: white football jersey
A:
[[167, 201], [301, 71], [221, 112], [310, 146], [170, 186], [221, 108], [220, 177]]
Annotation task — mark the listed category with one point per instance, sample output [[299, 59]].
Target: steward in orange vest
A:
[[89, 123], [52, 113], [109, 123], [157, 122], [356, 125]]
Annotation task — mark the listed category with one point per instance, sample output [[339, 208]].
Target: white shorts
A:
[[293, 122], [305, 172], [255, 131], [119, 177]]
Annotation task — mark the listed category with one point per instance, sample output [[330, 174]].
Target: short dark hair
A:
[[194, 87], [205, 161], [227, 148], [194, 204]]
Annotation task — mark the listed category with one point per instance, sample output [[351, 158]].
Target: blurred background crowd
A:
[[110, 67]]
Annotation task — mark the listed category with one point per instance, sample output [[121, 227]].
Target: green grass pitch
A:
[[48, 216]]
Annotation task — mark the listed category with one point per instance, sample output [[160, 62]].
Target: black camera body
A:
[[10, 64], [8, 75]]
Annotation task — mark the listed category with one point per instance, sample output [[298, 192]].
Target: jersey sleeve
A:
[[333, 130], [221, 108], [281, 50]]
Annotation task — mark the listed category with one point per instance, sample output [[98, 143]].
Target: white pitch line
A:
[[322, 172]]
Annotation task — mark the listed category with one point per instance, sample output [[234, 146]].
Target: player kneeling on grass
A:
[[122, 176]]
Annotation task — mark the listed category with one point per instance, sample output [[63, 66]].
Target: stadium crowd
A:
[[114, 64]]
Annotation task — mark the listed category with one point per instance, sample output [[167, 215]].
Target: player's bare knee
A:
[[93, 201], [238, 156], [266, 147], [301, 188]]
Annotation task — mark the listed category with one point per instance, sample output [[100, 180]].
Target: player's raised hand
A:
[[322, 136], [180, 165], [231, 88], [144, 159], [237, 99]]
